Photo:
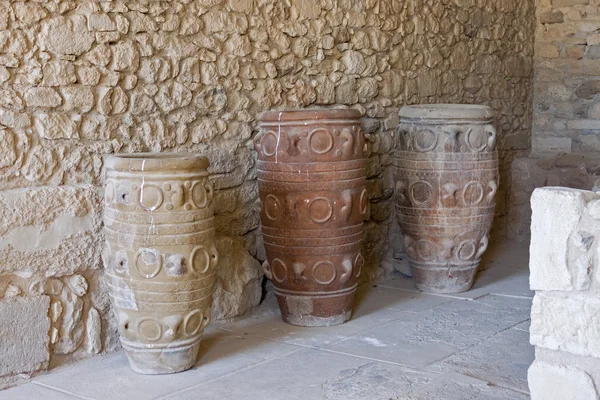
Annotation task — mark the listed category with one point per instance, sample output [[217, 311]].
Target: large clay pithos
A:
[[446, 177], [311, 179], [160, 256]]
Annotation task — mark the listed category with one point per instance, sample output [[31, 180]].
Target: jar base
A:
[[444, 279], [164, 360], [316, 309], [314, 321]]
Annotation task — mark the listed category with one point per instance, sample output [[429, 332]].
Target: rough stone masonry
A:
[[565, 273], [566, 106], [80, 79]]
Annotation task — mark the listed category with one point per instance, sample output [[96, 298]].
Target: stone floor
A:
[[400, 344]]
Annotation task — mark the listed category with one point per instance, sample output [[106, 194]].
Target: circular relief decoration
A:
[[151, 196], [324, 272], [192, 323], [278, 270], [148, 263], [109, 193], [272, 207], [477, 140], [473, 193], [176, 265], [269, 143], [359, 263], [320, 141], [425, 250], [200, 260], [421, 193], [425, 140], [466, 250], [199, 195], [320, 210], [149, 329], [364, 202]]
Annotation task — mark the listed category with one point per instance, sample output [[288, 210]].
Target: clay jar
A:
[[446, 176], [311, 179], [160, 256]]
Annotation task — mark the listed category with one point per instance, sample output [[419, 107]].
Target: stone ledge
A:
[[566, 322], [24, 337], [561, 247], [559, 382]]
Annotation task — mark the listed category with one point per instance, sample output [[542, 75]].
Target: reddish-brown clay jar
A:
[[311, 179], [446, 174]]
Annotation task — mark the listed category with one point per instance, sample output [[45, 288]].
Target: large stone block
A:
[[555, 263], [239, 280], [559, 382], [52, 231], [24, 335], [566, 322]]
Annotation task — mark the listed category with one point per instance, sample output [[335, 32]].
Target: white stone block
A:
[[558, 382], [566, 322], [24, 334], [556, 214]]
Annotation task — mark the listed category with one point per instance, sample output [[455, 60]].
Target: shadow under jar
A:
[[160, 258], [446, 179], [311, 180]]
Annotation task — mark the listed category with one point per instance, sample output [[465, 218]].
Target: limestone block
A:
[[42, 97], [566, 322], [100, 22], [66, 35], [559, 382], [50, 231], [239, 280], [77, 98], [58, 73], [56, 126], [24, 334], [556, 214]]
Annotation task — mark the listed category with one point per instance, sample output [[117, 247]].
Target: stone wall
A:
[[81, 79], [565, 273], [566, 110]]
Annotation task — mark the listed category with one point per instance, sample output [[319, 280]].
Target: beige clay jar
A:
[[160, 257]]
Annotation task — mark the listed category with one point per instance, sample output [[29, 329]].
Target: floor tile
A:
[[502, 360], [31, 391], [311, 374], [371, 298], [436, 333], [454, 386], [110, 377], [267, 323]]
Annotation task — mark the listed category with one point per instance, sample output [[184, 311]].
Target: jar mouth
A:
[[146, 162], [447, 111], [309, 114]]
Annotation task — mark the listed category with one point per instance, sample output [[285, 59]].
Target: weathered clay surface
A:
[[446, 175], [312, 185], [160, 256]]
